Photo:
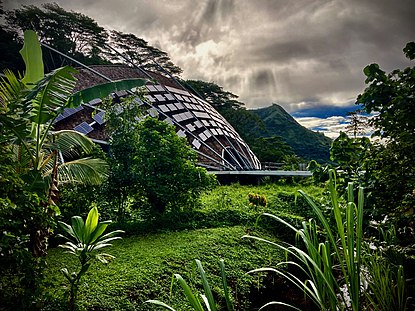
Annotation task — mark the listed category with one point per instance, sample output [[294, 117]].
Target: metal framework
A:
[[218, 145]]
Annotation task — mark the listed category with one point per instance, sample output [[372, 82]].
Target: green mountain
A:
[[304, 142]]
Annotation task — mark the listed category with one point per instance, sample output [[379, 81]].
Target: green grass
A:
[[144, 266], [229, 206], [152, 251], [280, 197]]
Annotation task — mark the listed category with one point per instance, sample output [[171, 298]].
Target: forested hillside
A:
[[305, 143]]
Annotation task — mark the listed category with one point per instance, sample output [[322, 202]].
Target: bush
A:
[[166, 167]]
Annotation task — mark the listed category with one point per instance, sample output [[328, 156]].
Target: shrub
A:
[[256, 200], [166, 167]]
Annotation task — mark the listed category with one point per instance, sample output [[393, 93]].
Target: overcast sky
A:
[[299, 53]]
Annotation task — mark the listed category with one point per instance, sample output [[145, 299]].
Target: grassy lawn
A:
[[144, 266]]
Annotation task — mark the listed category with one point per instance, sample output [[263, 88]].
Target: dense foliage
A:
[[391, 98], [36, 161], [166, 167], [154, 249], [153, 170], [332, 257], [122, 185]]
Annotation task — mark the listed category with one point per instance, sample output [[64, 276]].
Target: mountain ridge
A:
[[305, 143]]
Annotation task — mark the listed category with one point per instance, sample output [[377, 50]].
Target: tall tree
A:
[[391, 98], [80, 37], [358, 125], [122, 123], [70, 32], [166, 167], [139, 52]]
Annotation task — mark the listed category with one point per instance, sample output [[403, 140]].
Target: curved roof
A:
[[218, 145]]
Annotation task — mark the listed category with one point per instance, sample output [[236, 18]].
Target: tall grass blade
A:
[[229, 303], [206, 287], [191, 298], [279, 304], [161, 304]]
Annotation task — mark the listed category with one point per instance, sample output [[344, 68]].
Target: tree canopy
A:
[[139, 52], [80, 37], [214, 94], [70, 32], [391, 98]]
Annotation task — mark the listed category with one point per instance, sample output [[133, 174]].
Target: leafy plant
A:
[[84, 239], [122, 185], [207, 297], [337, 275]]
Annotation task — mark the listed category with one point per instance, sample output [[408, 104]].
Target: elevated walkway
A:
[[263, 173], [256, 176]]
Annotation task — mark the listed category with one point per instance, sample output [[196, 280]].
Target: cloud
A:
[[331, 126], [296, 53]]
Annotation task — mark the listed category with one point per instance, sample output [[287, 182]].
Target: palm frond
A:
[[105, 89], [14, 110], [71, 144], [84, 171], [11, 89]]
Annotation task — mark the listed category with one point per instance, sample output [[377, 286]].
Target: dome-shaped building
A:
[[218, 145]]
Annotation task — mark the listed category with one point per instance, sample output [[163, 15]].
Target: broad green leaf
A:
[[32, 56], [91, 223], [67, 228], [103, 90], [78, 228], [99, 230]]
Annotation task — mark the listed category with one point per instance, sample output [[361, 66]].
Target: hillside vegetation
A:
[[305, 143]]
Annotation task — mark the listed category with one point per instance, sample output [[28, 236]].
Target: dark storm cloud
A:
[[202, 26], [263, 78]]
